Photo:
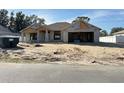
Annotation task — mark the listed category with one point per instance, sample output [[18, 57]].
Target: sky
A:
[[105, 19]]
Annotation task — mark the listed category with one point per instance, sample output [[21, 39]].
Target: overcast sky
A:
[[105, 19]]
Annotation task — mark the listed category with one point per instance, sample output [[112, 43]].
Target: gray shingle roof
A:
[[5, 31], [58, 26], [33, 26]]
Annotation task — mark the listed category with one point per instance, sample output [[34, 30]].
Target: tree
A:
[[116, 29], [36, 19], [41, 21], [12, 24], [19, 21], [27, 21], [103, 33], [33, 18], [4, 19], [81, 19]]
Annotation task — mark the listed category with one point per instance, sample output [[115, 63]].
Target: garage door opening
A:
[[80, 37]]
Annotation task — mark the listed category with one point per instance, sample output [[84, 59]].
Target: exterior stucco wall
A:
[[65, 36], [51, 36], [96, 36], [120, 39], [42, 36], [27, 37], [61, 35]]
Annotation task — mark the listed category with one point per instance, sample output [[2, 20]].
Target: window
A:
[[57, 35]]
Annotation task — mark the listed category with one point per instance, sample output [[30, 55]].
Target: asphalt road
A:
[[53, 73]]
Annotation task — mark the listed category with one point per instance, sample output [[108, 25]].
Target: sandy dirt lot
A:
[[84, 54]]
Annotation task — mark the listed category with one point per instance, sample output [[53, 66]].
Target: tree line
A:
[[113, 30], [17, 21]]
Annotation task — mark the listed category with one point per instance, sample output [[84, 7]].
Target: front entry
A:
[[81, 37], [33, 36], [57, 35]]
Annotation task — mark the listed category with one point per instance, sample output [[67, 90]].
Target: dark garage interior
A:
[[9, 41], [81, 37]]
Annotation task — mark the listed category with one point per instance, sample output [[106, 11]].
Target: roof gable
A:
[[82, 26], [58, 26]]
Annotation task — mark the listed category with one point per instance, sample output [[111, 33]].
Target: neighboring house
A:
[[7, 38], [118, 37], [61, 31], [120, 33], [5, 31]]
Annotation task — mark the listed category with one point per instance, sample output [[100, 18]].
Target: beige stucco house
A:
[[61, 31]]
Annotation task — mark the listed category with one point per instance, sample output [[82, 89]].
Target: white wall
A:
[[112, 39], [108, 39]]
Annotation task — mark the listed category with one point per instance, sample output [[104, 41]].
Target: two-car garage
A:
[[80, 36]]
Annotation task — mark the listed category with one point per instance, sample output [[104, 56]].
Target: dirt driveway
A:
[[61, 53]]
